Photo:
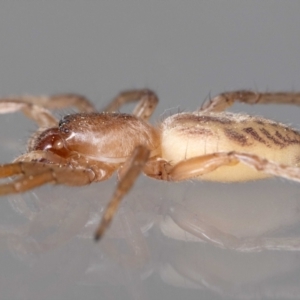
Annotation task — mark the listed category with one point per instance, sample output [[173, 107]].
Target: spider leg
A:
[[193, 223], [27, 182], [132, 169], [57, 101], [189, 168], [197, 166], [268, 167], [147, 102], [30, 163], [11, 169], [37, 113], [37, 174], [40, 156], [21, 168], [60, 101], [225, 100]]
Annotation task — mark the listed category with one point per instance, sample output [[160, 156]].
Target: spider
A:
[[207, 144]]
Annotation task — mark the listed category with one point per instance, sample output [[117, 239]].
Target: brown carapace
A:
[[208, 144]]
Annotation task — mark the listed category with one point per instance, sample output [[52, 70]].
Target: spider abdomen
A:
[[188, 135]]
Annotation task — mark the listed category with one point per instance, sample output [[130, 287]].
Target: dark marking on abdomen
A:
[[286, 139], [236, 136], [271, 137], [255, 135]]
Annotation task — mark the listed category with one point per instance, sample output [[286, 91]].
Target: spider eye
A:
[[51, 140]]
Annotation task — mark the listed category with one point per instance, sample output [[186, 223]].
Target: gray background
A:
[[185, 51]]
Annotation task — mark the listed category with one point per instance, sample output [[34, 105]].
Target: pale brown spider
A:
[[208, 144]]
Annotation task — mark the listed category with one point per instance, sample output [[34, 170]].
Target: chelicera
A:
[[207, 144]]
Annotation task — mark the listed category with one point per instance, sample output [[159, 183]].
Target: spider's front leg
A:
[[57, 101], [38, 167], [36, 107], [35, 174], [40, 115], [131, 170], [147, 102], [225, 100]]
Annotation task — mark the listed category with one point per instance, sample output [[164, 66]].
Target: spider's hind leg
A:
[[225, 100], [201, 165]]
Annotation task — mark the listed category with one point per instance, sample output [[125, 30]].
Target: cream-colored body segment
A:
[[188, 135]]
